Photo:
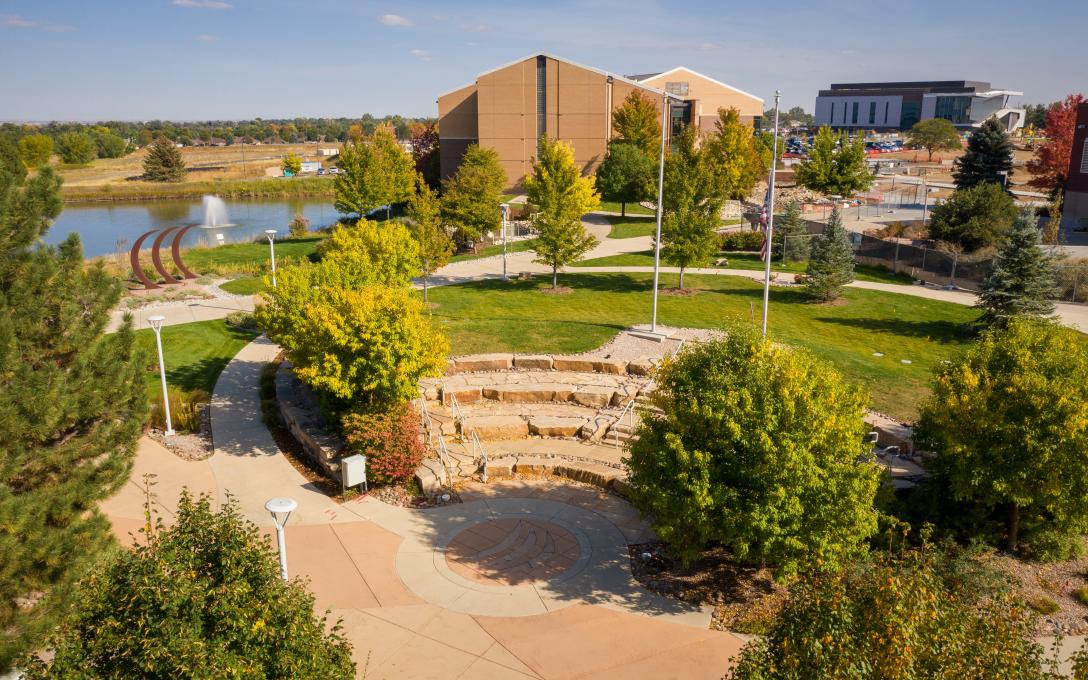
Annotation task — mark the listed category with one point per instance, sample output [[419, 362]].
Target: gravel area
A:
[[1044, 586], [626, 346]]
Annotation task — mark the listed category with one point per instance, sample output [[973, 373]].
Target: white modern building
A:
[[898, 106]]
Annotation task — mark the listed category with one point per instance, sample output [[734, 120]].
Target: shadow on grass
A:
[[944, 332]]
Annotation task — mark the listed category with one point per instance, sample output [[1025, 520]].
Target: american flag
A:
[[764, 218]]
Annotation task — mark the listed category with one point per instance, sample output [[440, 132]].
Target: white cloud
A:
[[204, 37], [15, 21], [422, 55], [395, 20], [203, 4]]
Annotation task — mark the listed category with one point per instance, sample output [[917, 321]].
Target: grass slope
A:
[[195, 353], [492, 316], [234, 258], [632, 208]]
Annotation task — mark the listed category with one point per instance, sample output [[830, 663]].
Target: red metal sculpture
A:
[[156, 257], [175, 252], [134, 258], [158, 260]]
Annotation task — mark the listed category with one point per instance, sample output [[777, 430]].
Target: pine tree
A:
[[1022, 281], [163, 162], [831, 261], [795, 237], [435, 245], [988, 157], [72, 403], [562, 196]]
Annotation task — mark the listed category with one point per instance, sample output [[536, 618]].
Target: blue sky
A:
[[206, 59]]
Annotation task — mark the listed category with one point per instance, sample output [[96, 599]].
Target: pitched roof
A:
[[615, 76], [701, 75]]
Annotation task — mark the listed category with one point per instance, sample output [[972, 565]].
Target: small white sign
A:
[[353, 470]]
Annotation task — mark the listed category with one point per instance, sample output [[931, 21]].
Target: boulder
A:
[[621, 486], [484, 362], [465, 395], [555, 426], [501, 467], [613, 366], [574, 364], [595, 429], [525, 394], [541, 362], [641, 366], [593, 395], [589, 473], [534, 465], [490, 428]]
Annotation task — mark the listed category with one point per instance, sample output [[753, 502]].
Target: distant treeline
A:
[[227, 132]]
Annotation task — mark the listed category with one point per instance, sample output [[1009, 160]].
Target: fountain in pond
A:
[[215, 213]]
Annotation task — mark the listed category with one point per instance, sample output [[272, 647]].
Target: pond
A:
[[106, 228]]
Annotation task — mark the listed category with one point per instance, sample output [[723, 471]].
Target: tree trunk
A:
[[930, 155], [386, 213], [1013, 528], [425, 289], [681, 286], [555, 276], [623, 208]]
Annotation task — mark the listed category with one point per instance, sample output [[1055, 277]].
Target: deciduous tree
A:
[[375, 171], [1050, 166], [368, 253], [471, 198], [693, 199], [835, 165], [830, 261], [934, 134], [163, 162], [36, 150], [72, 404], [1022, 281], [1008, 421], [562, 196], [733, 154], [988, 157], [627, 175], [435, 245], [292, 164], [974, 218], [637, 121], [203, 598], [425, 153], [759, 449], [76, 148]]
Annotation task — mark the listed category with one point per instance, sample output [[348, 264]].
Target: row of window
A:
[[854, 110]]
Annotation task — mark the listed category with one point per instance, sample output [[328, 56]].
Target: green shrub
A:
[[245, 320], [1081, 595], [184, 409], [1042, 604], [389, 440], [740, 240]]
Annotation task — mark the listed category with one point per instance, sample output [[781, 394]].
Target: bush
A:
[[974, 218], [299, 227], [246, 320], [184, 409], [1081, 595], [759, 450], [1042, 604], [389, 440], [740, 240]]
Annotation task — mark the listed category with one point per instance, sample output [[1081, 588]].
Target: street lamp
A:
[[277, 507], [271, 234], [156, 325], [505, 208]]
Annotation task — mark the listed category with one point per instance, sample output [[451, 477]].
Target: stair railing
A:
[[458, 417], [628, 412], [479, 453]]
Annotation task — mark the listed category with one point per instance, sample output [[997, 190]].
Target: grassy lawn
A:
[[632, 208], [511, 247], [247, 285], [195, 353], [492, 316], [633, 227], [248, 257], [750, 261]]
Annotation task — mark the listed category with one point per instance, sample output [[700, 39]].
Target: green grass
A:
[[492, 316], [195, 353], [633, 227], [511, 247], [247, 285], [749, 261], [632, 208], [246, 258]]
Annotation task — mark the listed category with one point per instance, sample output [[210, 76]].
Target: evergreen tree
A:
[[163, 162], [830, 261], [471, 198], [627, 175], [435, 245], [1022, 281], [693, 198], [562, 196], [988, 155], [795, 236], [201, 599], [72, 403], [637, 121], [975, 217]]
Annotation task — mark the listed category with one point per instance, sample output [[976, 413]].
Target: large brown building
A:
[[1075, 203], [511, 107]]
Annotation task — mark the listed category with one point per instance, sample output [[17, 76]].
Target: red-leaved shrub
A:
[[389, 440]]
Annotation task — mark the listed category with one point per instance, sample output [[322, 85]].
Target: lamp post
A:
[[925, 198], [156, 325], [271, 234], [505, 207], [277, 507], [660, 207]]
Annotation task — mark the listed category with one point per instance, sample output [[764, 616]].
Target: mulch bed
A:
[[745, 599], [561, 290], [680, 292]]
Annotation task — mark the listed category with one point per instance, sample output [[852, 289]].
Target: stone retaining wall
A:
[[299, 409], [475, 363]]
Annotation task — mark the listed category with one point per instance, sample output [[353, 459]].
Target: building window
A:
[[1084, 158], [872, 113], [854, 114], [541, 99], [911, 114], [832, 118], [887, 105], [957, 110], [844, 113], [678, 89]]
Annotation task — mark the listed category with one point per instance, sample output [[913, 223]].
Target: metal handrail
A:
[[629, 409], [476, 444], [444, 458], [425, 418], [458, 417]]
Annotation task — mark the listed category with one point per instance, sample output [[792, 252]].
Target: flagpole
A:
[[660, 208], [770, 218]]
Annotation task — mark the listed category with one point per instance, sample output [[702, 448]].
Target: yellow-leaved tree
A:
[[562, 195]]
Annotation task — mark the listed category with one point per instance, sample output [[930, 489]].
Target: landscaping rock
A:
[[498, 427], [621, 486], [501, 467], [642, 366], [541, 362], [451, 367], [533, 465], [593, 395], [555, 426], [595, 429], [574, 364], [525, 394], [590, 473], [613, 366], [484, 362], [465, 395]]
